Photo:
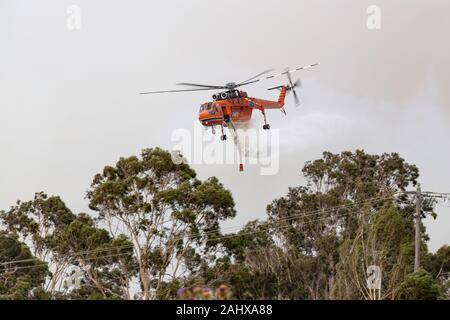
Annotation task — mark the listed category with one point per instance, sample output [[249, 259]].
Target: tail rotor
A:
[[292, 86]]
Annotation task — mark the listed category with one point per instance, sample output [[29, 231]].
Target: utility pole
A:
[[420, 195], [418, 218]]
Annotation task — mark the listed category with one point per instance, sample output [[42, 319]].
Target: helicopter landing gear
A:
[[266, 126]]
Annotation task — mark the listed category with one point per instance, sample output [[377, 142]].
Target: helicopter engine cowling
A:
[[226, 95]]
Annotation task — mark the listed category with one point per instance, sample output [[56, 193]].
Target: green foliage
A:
[[438, 264], [322, 229], [420, 286], [168, 214], [157, 224], [104, 258], [360, 175], [254, 235], [59, 237], [384, 239], [253, 265], [80, 236], [36, 220], [17, 281]]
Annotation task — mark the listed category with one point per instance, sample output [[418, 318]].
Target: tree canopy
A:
[[154, 232]]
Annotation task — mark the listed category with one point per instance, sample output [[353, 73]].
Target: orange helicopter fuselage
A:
[[238, 109]]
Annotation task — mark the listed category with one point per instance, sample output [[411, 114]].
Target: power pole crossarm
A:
[[436, 195]]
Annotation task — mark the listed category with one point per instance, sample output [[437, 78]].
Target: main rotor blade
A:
[[246, 83], [184, 90], [292, 71], [254, 77], [200, 85]]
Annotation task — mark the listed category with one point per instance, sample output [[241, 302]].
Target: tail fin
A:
[[282, 96]]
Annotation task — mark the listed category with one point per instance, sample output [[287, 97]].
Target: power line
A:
[[181, 238], [310, 213], [45, 264], [291, 217], [198, 235]]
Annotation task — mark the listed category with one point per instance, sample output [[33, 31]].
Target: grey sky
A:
[[69, 103]]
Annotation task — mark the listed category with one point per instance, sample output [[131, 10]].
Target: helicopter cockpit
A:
[[209, 106]]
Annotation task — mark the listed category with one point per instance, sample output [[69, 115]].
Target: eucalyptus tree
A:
[[169, 215], [35, 222]]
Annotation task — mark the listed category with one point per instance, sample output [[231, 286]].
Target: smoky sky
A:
[[69, 100]]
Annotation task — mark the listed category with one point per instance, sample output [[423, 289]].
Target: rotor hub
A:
[[231, 85]]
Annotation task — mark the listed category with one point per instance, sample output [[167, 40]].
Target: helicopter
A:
[[231, 105]]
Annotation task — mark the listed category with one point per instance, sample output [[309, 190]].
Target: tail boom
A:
[[269, 104]]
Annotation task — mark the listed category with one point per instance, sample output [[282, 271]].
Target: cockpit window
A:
[[202, 107], [209, 106]]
